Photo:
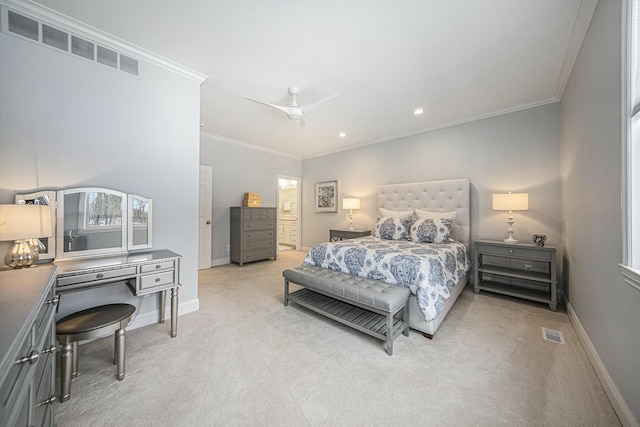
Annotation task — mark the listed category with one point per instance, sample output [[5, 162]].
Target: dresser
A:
[[253, 234], [27, 346], [520, 270]]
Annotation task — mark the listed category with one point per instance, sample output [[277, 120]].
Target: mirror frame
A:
[[130, 243], [90, 252], [56, 241]]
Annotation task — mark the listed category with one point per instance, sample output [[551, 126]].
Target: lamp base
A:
[[21, 255], [510, 240]]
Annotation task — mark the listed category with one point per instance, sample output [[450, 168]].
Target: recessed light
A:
[[418, 111], [342, 134]]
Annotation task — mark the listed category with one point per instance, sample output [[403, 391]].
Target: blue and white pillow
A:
[[432, 227], [391, 228]]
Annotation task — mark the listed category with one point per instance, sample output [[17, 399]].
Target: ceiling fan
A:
[[295, 111]]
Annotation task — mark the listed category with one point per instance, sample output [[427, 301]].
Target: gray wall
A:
[[607, 308], [238, 169], [68, 122], [517, 151]]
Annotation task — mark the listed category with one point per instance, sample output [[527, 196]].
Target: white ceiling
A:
[[459, 60]]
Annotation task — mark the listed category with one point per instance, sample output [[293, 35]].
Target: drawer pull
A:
[[158, 266], [99, 276], [51, 350], [55, 300], [49, 401], [510, 251], [157, 279], [31, 358]]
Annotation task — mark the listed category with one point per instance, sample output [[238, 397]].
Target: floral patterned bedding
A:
[[430, 270]]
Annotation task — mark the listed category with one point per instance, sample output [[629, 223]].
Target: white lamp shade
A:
[[511, 202], [19, 222], [350, 203]]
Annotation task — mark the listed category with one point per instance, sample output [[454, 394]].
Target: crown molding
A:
[[246, 145], [52, 17]]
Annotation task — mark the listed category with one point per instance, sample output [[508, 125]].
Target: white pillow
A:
[[427, 214], [433, 228], [395, 214], [391, 228]]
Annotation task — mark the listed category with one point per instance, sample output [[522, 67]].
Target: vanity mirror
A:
[[94, 221]]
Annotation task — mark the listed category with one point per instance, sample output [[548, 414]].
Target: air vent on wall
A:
[[37, 31]]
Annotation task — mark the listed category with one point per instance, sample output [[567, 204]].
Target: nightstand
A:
[[335, 235], [521, 270]]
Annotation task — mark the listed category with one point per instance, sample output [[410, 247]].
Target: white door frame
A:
[[205, 204], [298, 203]]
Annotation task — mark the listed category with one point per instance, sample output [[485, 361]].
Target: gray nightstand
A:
[[335, 235], [521, 270]]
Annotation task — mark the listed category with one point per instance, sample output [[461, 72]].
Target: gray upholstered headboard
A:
[[435, 196]]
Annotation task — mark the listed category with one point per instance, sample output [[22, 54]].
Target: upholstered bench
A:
[[365, 304], [89, 324]]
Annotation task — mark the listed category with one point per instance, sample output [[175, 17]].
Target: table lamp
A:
[[21, 223], [351, 204], [510, 202]]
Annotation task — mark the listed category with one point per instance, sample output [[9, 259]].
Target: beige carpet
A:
[[246, 360]]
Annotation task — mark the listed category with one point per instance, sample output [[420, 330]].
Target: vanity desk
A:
[[144, 272]]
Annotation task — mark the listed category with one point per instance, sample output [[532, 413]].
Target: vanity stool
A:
[[88, 324]]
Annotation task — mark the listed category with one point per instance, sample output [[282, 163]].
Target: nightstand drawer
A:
[[523, 252]]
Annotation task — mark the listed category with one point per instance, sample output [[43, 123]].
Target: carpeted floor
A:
[[246, 360]]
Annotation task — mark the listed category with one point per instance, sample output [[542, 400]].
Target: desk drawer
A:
[[97, 276], [165, 265], [154, 280], [541, 255], [16, 377]]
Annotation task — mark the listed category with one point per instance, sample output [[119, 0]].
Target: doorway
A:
[[288, 212], [204, 217]]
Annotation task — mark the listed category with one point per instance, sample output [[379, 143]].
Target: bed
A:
[[436, 272]]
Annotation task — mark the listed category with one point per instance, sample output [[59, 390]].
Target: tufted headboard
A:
[[435, 196]]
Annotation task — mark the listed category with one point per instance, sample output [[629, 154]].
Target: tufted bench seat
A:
[[365, 304]]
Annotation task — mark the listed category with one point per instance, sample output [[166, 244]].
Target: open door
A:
[[288, 212]]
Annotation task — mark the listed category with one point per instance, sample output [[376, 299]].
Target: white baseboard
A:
[[152, 317], [620, 406]]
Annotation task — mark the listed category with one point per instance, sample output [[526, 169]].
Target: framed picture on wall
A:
[[327, 196]]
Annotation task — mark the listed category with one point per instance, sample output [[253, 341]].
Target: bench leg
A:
[[119, 349], [286, 292], [74, 360], [406, 319], [65, 371], [389, 342]]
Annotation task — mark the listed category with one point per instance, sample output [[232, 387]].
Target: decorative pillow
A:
[[391, 228], [433, 229], [406, 217]]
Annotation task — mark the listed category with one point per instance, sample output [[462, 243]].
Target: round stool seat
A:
[[94, 322]]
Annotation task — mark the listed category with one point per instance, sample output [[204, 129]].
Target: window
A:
[[631, 144]]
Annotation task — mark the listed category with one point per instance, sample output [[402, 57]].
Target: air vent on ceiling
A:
[[552, 335], [61, 39]]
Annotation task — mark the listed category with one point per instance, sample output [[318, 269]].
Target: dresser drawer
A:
[[258, 254], [524, 252], [154, 280], [259, 225], [43, 394], [45, 313], [259, 244], [268, 214], [259, 235], [16, 378], [166, 265]]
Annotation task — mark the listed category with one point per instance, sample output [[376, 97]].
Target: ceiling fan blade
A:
[[317, 101], [278, 107], [300, 122]]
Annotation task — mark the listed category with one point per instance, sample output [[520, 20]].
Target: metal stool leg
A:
[[66, 364], [74, 359], [119, 348]]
